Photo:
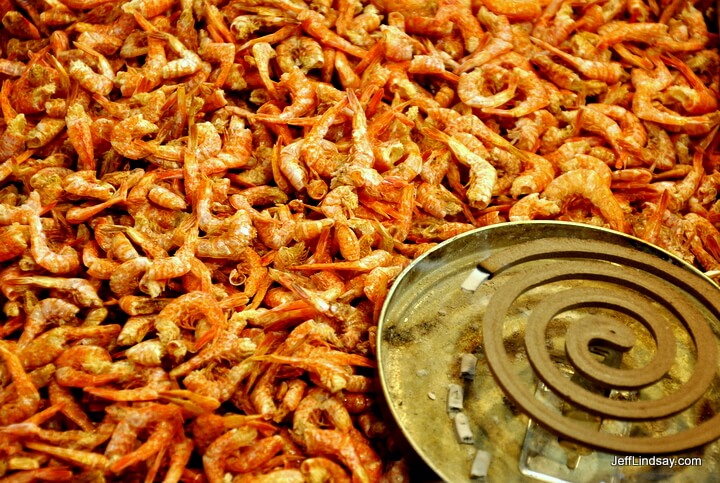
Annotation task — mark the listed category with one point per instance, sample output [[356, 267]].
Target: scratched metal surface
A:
[[427, 322]]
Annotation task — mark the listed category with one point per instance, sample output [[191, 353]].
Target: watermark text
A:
[[667, 461]]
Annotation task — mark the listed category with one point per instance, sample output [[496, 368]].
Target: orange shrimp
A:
[[703, 100], [608, 72], [47, 310], [66, 261], [216, 456], [314, 24], [28, 398], [470, 86], [647, 85], [589, 185], [482, 174], [186, 309]]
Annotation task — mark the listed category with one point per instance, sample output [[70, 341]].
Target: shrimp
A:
[[80, 135], [608, 72], [647, 85], [129, 129], [66, 261], [84, 184], [303, 52], [188, 62], [171, 267], [84, 459], [319, 154], [12, 140], [531, 207], [291, 167], [700, 99], [186, 309], [482, 174], [86, 366], [619, 31], [45, 348], [470, 86], [536, 95], [80, 289], [302, 93], [88, 79], [28, 398], [15, 239], [342, 441], [47, 310], [314, 24], [589, 185], [216, 456]]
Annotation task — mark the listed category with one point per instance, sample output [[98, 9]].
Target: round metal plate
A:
[[590, 345]]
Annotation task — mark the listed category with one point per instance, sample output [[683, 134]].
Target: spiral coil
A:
[[629, 279]]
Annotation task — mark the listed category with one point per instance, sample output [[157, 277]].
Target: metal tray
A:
[[591, 345]]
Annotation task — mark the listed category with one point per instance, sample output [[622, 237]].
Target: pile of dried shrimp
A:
[[203, 204]]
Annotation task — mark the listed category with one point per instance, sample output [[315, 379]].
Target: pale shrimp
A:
[[501, 41], [323, 469], [291, 167], [166, 420], [692, 31], [44, 131], [66, 261], [163, 269], [699, 99], [589, 185], [303, 52], [89, 79], [81, 290], [15, 239], [302, 92], [483, 175], [139, 305], [84, 459], [227, 346], [159, 439], [185, 310], [562, 25], [49, 473], [438, 200], [85, 184], [252, 458], [80, 214], [216, 456], [409, 168], [531, 207], [126, 278], [12, 140], [166, 198], [647, 85], [316, 152], [129, 129], [46, 311], [188, 62], [361, 152], [45, 348], [608, 72], [236, 234], [632, 130], [471, 86], [85, 366], [314, 24], [340, 440], [684, 189], [619, 31], [28, 398], [536, 95]]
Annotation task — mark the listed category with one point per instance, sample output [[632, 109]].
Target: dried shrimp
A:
[[203, 204]]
